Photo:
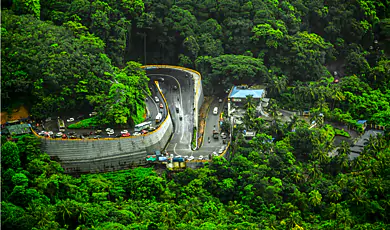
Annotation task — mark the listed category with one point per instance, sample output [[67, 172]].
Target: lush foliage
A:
[[60, 56], [290, 184], [57, 69]]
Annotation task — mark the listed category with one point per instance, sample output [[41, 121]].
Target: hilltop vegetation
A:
[[60, 56]]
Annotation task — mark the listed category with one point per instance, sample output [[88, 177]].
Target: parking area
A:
[[51, 127]]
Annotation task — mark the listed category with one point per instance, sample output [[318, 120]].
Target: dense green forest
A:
[[66, 55], [60, 56]]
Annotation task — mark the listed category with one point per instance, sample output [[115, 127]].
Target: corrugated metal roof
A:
[[18, 129], [243, 93]]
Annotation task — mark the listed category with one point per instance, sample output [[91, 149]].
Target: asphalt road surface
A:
[[182, 96], [212, 122]]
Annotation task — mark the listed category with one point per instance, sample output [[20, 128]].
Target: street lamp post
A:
[[144, 35]]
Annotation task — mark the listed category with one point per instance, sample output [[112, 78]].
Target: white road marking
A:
[[174, 149]]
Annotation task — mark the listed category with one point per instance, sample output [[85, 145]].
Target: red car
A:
[[161, 105], [144, 131], [125, 134]]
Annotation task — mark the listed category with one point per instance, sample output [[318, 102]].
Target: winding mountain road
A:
[[178, 89]]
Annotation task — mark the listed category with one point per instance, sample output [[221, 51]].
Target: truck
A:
[[215, 134], [61, 125]]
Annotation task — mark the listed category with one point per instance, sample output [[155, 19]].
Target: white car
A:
[[156, 99], [220, 100], [59, 134], [136, 134], [50, 133], [215, 111], [200, 157], [124, 131], [190, 158], [70, 119], [220, 151], [109, 130]]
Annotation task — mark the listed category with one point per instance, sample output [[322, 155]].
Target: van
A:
[[215, 111]]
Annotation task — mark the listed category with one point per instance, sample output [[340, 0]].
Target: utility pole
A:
[[144, 48], [144, 35]]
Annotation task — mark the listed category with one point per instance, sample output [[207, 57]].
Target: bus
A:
[[61, 125], [143, 125], [158, 118]]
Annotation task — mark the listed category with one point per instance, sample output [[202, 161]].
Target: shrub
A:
[[341, 132], [83, 124]]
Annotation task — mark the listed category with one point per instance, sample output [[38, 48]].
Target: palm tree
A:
[[274, 108], [315, 198], [359, 198], [250, 104], [277, 84], [314, 170], [249, 118], [344, 148]]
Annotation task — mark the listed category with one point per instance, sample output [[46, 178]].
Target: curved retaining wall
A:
[[108, 154], [90, 155]]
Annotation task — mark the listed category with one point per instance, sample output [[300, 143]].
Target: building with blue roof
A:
[[238, 94]]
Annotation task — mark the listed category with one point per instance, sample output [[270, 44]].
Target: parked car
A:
[[136, 134], [201, 157], [98, 131], [161, 105], [190, 158], [156, 99], [110, 132], [97, 137], [220, 100], [109, 129], [59, 134], [161, 79], [124, 131], [144, 131], [64, 136], [70, 119], [73, 137], [151, 129], [125, 134]]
